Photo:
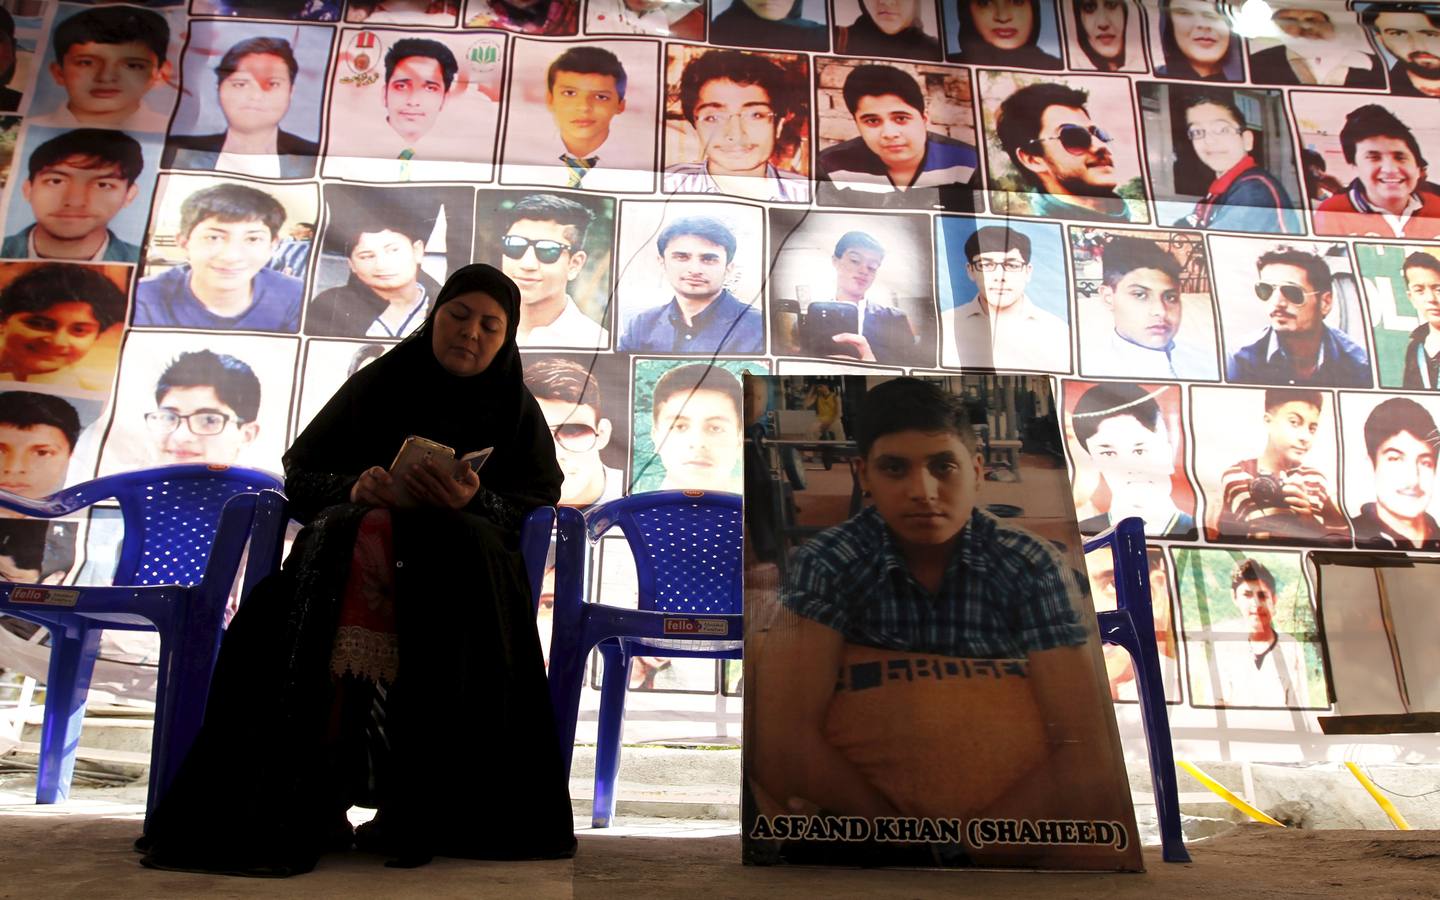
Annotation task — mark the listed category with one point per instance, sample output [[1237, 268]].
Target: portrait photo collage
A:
[[1216, 236]]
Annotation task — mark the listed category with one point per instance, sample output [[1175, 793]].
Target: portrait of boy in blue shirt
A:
[[697, 254], [228, 233]]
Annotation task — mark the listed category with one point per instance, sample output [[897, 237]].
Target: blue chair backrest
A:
[[171, 516], [687, 548]]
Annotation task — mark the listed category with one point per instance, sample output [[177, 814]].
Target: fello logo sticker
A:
[[695, 626], [44, 596]]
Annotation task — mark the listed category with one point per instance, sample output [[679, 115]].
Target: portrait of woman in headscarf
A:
[[773, 24], [1197, 42], [1101, 32], [1002, 33], [398, 639]]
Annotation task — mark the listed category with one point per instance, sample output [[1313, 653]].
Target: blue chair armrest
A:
[[267, 539], [535, 534]]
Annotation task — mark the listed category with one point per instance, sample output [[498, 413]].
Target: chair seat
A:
[[683, 648]]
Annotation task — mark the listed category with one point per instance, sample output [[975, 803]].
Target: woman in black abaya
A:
[[394, 662]]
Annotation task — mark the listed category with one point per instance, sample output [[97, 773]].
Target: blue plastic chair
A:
[[186, 530], [535, 534], [687, 549], [1132, 626]]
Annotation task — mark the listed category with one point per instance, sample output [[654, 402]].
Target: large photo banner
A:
[[1209, 227], [923, 670]]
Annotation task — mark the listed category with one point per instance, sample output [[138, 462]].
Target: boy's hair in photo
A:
[[90, 148], [408, 47], [712, 230], [1191, 99], [1372, 12], [852, 239], [742, 68], [230, 63], [232, 379], [697, 377], [231, 203], [549, 208], [26, 409], [365, 354], [42, 287], [1251, 570], [1373, 120], [113, 25], [1278, 397], [356, 213], [1394, 416], [565, 381], [588, 61], [878, 81], [909, 404], [1106, 401], [1123, 255], [1421, 260], [1017, 124], [1316, 271], [997, 239]]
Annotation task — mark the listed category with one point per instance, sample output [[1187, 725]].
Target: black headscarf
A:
[[407, 391], [976, 51]]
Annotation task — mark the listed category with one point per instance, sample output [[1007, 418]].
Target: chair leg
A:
[[73, 649], [187, 662], [613, 686], [567, 680], [1118, 628], [1156, 720]]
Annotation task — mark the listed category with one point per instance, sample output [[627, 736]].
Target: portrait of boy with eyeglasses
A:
[[996, 322], [747, 114], [545, 243], [1296, 289], [206, 410]]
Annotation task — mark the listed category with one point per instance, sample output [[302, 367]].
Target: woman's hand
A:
[[434, 485], [375, 488]]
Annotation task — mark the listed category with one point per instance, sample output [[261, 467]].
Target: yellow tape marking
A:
[[1225, 794], [1378, 797]]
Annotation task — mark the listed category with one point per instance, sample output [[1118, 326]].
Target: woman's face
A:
[[1201, 33], [469, 330], [1003, 24], [1104, 24]]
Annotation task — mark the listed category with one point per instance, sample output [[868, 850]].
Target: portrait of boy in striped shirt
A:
[[1275, 496]]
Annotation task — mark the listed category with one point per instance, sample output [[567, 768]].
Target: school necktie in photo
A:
[[405, 156], [578, 166]]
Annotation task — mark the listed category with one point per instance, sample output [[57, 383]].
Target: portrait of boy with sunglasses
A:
[[569, 395], [542, 248], [1297, 347], [1064, 159]]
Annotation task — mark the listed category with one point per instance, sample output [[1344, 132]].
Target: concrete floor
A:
[[82, 849]]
